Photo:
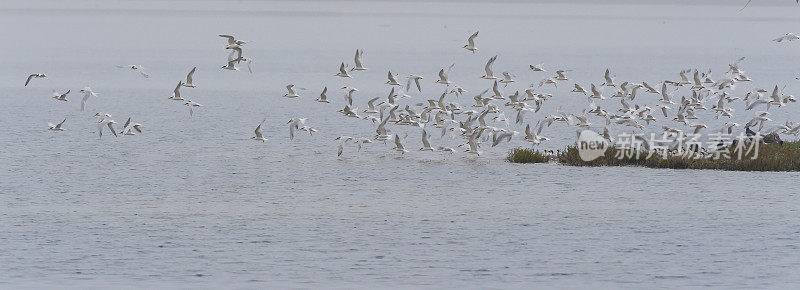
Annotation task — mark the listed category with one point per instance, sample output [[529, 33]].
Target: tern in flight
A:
[[343, 72], [58, 127], [87, 92], [371, 106], [578, 89], [473, 147], [398, 146], [189, 83], [106, 123], [232, 42], [471, 42], [349, 96], [415, 79], [488, 68], [507, 78], [392, 80], [323, 97], [60, 97], [787, 37], [609, 80], [426, 145], [128, 128], [291, 93], [176, 93], [443, 76], [357, 60], [231, 64], [240, 58], [137, 68], [259, 135], [34, 76], [538, 67], [294, 124], [191, 104]]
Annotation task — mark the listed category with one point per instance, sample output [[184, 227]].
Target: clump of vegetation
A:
[[570, 156], [795, 144], [771, 157], [527, 155]]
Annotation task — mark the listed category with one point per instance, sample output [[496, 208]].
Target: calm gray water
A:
[[191, 202]]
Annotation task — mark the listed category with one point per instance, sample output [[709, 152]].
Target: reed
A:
[[527, 155]]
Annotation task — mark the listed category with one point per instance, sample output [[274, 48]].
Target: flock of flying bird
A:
[[485, 121]]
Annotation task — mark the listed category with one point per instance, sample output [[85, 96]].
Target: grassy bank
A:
[[527, 155], [771, 157]]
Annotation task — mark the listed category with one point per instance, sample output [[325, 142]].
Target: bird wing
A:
[[539, 128], [488, 67], [258, 132], [450, 68], [371, 102], [397, 142], [100, 129], [83, 100], [322, 95], [230, 57], [29, 79], [471, 38], [189, 76], [142, 72], [696, 78], [472, 146], [425, 142], [229, 37], [775, 95], [357, 58], [111, 126], [381, 130], [177, 90]]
